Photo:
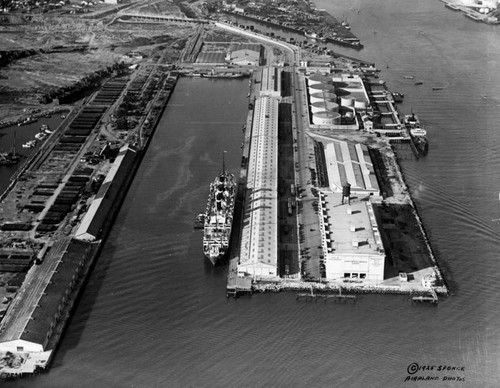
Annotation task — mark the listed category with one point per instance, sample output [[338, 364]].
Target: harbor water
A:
[[154, 313]]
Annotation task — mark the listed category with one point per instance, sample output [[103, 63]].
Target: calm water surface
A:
[[154, 313]]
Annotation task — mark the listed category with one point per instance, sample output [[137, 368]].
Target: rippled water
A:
[[154, 313]]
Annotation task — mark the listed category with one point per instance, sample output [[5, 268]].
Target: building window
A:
[[362, 276], [347, 275]]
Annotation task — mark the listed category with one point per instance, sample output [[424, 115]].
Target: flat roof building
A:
[[259, 242], [351, 242]]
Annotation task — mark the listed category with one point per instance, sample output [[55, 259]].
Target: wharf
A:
[[433, 298], [237, 285], [70, 215]]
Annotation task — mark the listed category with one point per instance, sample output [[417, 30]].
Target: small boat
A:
[[398, 97], [199, 221], [408, 77], [419, 83], [437, 88], [40, 136], [26, 121], [29, 144]]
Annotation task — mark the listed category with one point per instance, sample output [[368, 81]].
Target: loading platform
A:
[[325, 297], [432, 298], [237, 285]]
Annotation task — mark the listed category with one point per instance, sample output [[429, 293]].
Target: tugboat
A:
[[417, 134], [199, 221], [219, 215]]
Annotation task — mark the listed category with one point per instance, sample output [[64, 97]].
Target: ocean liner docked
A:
[[219, 215]]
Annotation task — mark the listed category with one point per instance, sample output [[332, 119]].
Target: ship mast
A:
[[223, 162]]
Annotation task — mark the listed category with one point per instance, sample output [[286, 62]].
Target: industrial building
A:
[[94, 219], [351, 243], [34, 320], [259, 242], [338, 101], [349, 163]]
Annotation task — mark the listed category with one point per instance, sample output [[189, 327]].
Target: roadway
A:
[[309, 227]]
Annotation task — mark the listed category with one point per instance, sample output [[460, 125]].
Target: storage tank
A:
[[319, 79], [326, 118], [324, 105], [321, 96], [339, 84], [360, 104], [347, 101], [321, 88], [341, 92]]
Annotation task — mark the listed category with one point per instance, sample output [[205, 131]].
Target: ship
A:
[[418, 135], [224, 75], [29, 144], [219, 215], [11, 157], [398, 97]]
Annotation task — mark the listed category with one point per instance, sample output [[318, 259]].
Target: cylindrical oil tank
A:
[[319, 79], [339, 84], [325, 105], [321, 88], [321, 96], [346, 101], [341, 92], [360, 104], [326, 118]]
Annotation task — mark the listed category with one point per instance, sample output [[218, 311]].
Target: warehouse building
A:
[[351, 242], [349, 163], [259, 243], [93, 221]]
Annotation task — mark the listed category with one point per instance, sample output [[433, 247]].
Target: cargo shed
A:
[[98, 212]]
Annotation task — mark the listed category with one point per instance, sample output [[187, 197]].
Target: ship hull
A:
[[219, 217]]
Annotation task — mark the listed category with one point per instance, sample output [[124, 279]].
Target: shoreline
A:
[[87, 251]]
